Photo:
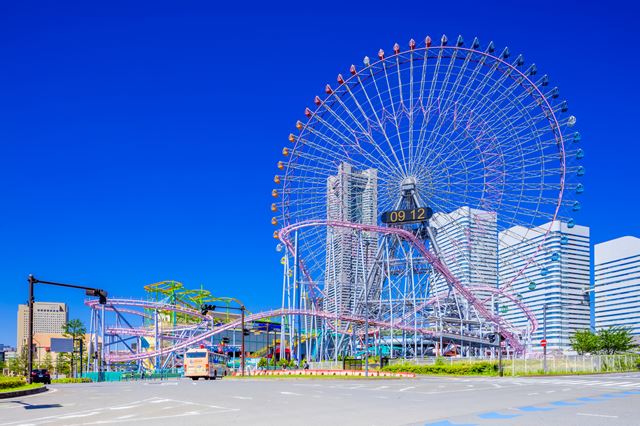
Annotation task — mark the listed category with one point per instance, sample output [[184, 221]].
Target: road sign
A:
[[543, 342]]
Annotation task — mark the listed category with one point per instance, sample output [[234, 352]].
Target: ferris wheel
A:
[[465, 147]]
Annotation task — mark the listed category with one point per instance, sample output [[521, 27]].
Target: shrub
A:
[[11, 382], [461, 368], [72, 380]]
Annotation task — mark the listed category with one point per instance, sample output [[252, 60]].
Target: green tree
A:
[[614, 340], [18, 365], [76, 330], [585, 341], [47, 362], [62, 364]]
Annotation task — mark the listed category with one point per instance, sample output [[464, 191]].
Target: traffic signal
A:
[[101, 294], [205, 308], [245, 332], [225, 340], [494, 338]]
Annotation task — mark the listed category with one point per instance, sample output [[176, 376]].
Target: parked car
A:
[[41, 375]]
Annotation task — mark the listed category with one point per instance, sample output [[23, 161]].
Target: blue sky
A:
[[139, 142]]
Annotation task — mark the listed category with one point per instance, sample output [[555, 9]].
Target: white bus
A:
[[204, 363]]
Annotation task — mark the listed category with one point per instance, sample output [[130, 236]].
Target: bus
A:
[[202, 362]]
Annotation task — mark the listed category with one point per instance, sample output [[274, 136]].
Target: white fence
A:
[[572, 364], [556, 364]]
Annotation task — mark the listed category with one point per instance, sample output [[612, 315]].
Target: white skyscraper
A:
[[617, 284], [352, 196], [468, 242], [558, 277]]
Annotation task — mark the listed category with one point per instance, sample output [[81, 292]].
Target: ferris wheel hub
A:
[[408, 184]]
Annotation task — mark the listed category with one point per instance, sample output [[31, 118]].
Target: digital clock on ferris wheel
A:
[[407, 216]]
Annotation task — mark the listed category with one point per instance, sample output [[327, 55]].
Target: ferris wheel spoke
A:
[[364, 131], [373, 110], [394, 115]]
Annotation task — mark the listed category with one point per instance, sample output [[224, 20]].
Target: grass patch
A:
[[21, 388]]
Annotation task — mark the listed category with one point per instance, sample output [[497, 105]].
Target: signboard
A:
[[543, 342], [59, 344], [407, 216]]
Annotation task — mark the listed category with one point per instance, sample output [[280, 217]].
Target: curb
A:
[[25, 392]]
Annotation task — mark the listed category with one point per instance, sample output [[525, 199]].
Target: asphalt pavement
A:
[[442, 401]]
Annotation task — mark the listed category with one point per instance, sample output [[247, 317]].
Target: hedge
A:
[[461, 368], [72, 380], [11, 382]]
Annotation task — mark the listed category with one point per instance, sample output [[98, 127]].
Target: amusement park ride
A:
[[392, 200]]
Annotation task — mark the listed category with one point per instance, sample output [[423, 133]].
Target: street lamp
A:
[[89, 291], [544, 337]]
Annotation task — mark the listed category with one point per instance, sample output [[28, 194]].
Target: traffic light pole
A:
[[30, 333], [90, 291], [205, 308]]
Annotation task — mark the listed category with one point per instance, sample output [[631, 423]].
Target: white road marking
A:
[[157, 401], [551, 391], [380, 387], [533, 393], [73, 416], [407, 388], [128, 416], [124, 407], [242, 397], [596, 415], [291, 393]]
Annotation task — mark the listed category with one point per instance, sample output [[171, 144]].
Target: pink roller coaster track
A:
[[468, 293]]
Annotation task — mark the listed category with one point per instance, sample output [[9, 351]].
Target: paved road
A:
[[578, 400]]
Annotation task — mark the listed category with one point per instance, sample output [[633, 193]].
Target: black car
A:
[[41, 375]]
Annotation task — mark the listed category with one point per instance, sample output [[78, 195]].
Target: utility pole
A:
[[544, 337]]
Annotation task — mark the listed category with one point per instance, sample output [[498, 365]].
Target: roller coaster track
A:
[[277, 313]]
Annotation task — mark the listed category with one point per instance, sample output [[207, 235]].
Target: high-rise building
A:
[[617, 284], [558, 277], [352, 196], [48, 317], [467, 240]]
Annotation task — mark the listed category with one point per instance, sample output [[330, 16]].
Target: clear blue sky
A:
[[139, 142]]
